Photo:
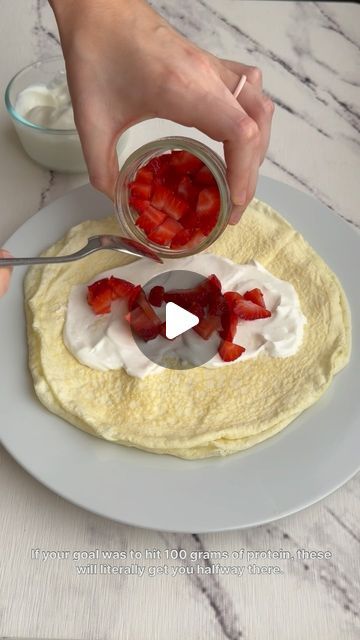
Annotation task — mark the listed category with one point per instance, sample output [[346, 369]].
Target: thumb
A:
[[5, 273]]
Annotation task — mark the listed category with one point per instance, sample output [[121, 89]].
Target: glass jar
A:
[[142, 156]]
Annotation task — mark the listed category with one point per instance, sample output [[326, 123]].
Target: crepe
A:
[[194, 413]]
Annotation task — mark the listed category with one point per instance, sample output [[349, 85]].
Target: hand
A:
[[4, 273], [126, 64]]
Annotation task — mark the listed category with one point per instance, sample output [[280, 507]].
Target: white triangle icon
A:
[[178, 320]]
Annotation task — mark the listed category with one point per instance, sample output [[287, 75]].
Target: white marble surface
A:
[[309, 54]]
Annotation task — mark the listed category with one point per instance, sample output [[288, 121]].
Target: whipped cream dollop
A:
[[105, 342], [47, 105]]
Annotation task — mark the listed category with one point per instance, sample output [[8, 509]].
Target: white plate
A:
[[313, 456]]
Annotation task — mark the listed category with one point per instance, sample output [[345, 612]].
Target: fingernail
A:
[[240, 198]]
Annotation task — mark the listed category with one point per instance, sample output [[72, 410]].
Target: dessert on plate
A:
[[87, 369]]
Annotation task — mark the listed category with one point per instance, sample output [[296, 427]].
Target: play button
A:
[[180, 347], [178, 320]]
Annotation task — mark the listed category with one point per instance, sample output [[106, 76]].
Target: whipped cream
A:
[[47, 105], [105, 342]]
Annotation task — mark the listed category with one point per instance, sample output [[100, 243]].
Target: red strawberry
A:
[[99, 296], [120, 288], [139, 205], [150, 219], [232, 297], [133, 297], [207, 326], [145, 327], [196, 239], [205, 177], [196, 309], [247, 310], [140, 190], [208, 201], [207, 222], [188, 191], [229, 351], [214, 282], [256, 296], [182, 237], [156, 296], [217, 305], [144, 175], [229, 322], [158, 164], [185, 162], [165, 200], [164, 233]]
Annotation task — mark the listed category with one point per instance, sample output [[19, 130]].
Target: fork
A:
[[94, 243]]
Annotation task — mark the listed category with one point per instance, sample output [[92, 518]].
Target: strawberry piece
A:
[[197, 238], [150, 219], [229, 322], [207, 326], [248, 310], [188, 191], [181, 238], [183, 297], [205, 177], [145, 327], [217, 305], [164, 233], [139, 205], [120, 288], [99, 296], [140, 190], [232, 297], [196, 309], [158, 164], [165, 200], [144, 175], [208, 201], [207, 222], [156, 296], [256, 296], [214, 282], [133, 297], [185, 162], [228, 351]]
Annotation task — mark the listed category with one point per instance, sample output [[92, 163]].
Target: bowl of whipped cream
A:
[[39, 103]]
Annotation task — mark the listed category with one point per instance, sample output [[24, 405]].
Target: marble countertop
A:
[[309, 55]]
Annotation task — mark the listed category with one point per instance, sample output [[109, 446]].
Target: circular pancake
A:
[[199, 412]]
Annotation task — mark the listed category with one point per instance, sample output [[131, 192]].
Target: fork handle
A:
[[92, 245]]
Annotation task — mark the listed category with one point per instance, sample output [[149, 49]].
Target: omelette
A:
[[199, 412]]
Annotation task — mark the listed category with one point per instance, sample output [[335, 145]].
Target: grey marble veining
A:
[[310, 57]]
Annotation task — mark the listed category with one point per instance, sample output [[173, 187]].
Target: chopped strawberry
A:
[[207, 326], [120, 288], [217, 305], [228, 351], [197, 238], [248, 310], [140, 190], [197, 310], [133, 297], [256, 296], [188, 191], [229, 322], [165, 200], [156, 296], [214, 282], [183, 297], [145, 327], [190, 220], [158, 164], [139, 205], [150, 219], [232, 297], [185, 162], [164, 233], [208, 201], [205, 177], [145, 175], [207, 222], [181, 238], [99, 296]]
